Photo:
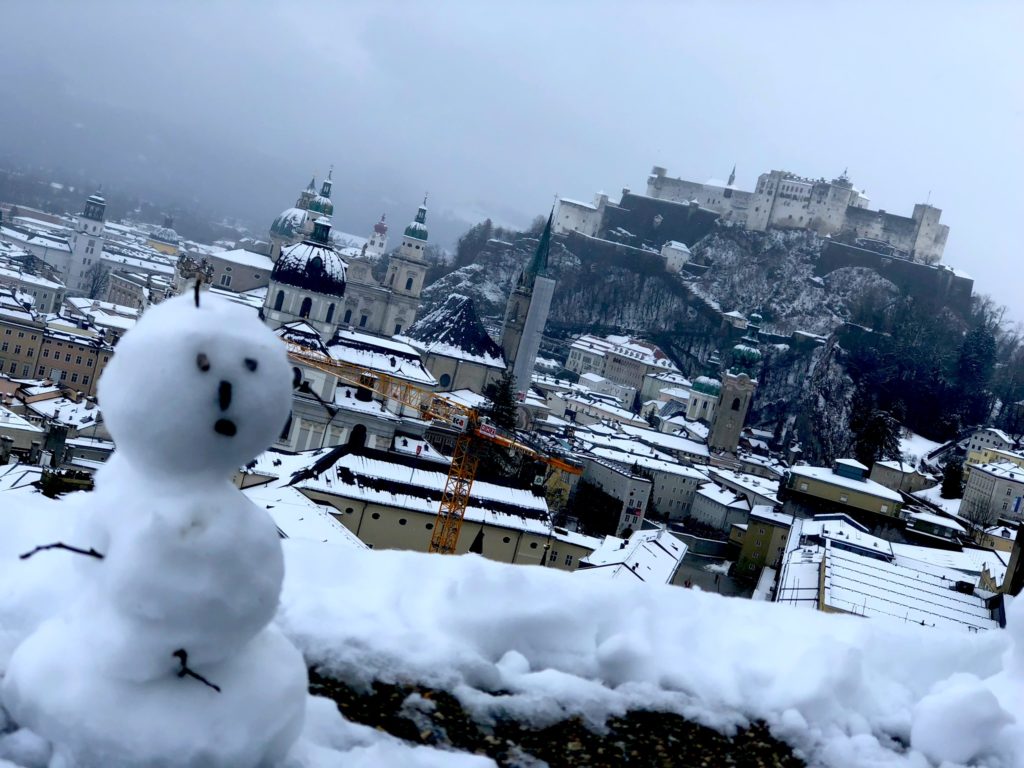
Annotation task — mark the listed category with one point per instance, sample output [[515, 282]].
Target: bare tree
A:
[[97, 277], [977, 514]]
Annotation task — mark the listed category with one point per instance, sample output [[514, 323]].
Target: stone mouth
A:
[[225, 427]]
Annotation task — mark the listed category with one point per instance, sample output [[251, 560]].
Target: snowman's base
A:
[[94, 720]]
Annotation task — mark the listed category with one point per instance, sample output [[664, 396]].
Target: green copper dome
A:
[[418, 228]]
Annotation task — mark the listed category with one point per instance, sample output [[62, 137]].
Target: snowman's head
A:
[[196, 389]]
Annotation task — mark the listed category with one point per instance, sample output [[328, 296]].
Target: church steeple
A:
[[732, 176], [538, 265], [325, 188]]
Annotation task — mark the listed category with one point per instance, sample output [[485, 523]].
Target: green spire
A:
[[539, 263]]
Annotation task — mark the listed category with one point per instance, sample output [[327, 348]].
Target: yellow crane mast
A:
[[432, 406]]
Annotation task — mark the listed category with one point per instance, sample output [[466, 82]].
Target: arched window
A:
[[330, 313], [408, 284], [279, 301], [357, 437], [348, 315], [735, 404], [307, 306]]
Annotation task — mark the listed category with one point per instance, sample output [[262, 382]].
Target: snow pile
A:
[[841, 689]]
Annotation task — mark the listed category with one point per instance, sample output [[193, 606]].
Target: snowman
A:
[[167, 656]]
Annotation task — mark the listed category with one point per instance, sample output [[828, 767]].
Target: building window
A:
[[533, 545], [78, 360], [41, 371], [375, 515], [85, 380], [735, 404], [89, 362], [306, 308], [67, 357], [348, 316], [279, 301], [884, 508], [17, 349], [568, 559], [24, 370], [225, 280], [445, 380], [506, 540], [398, 328], [363, 320], [843, 498], [330, 314], [3, 347], [408, 284], [74, 378], [802, 486], [430, 526]]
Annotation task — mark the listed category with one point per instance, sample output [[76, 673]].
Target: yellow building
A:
[[764, 541], [390, 501], [844, 485]]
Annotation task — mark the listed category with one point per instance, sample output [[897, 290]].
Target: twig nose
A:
[[224, 395]]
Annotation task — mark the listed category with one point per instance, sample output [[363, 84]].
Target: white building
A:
[[785, 200], [676, 255], [619, 482], [577, 216]]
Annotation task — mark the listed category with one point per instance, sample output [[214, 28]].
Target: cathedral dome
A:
[[312, 265], [417, 229], [321, 205], [289, 223]]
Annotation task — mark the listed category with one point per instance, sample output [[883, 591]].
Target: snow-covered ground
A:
[[843, 690], [934, 496], [914, 448]]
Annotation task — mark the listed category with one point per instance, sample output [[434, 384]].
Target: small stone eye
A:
[[202, 362], [251, 364]]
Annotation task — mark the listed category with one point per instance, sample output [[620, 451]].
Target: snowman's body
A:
[[228, 547], [189, 564]]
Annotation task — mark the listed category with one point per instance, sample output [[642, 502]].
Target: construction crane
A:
[[434, 407]]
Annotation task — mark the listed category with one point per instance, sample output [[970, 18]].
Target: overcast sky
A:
[[495, 108]]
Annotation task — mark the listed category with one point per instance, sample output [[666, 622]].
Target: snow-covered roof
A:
[[939, 520], [673, 443], [11, 421], [723, 496], [827, 475], [771, 515], [867, 586], [454, 330], [648, 555], [245, 258], [376, 353], [299, 517]]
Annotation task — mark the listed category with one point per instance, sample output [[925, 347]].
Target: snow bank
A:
[[841, 689], [845, 691]]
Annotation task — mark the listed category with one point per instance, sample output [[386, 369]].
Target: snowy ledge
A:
[[541, 647]]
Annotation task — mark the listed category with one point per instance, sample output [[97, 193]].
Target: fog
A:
[[495, 108]]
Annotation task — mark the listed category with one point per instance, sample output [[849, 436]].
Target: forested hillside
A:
[[932, 368]]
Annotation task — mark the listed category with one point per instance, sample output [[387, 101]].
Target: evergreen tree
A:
[[876, 434], [952, 480], [502, 410]]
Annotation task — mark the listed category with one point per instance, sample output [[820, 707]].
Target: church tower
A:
[[731, 412], [406, 272], [377, 245], [526, 313], [86, 243]]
